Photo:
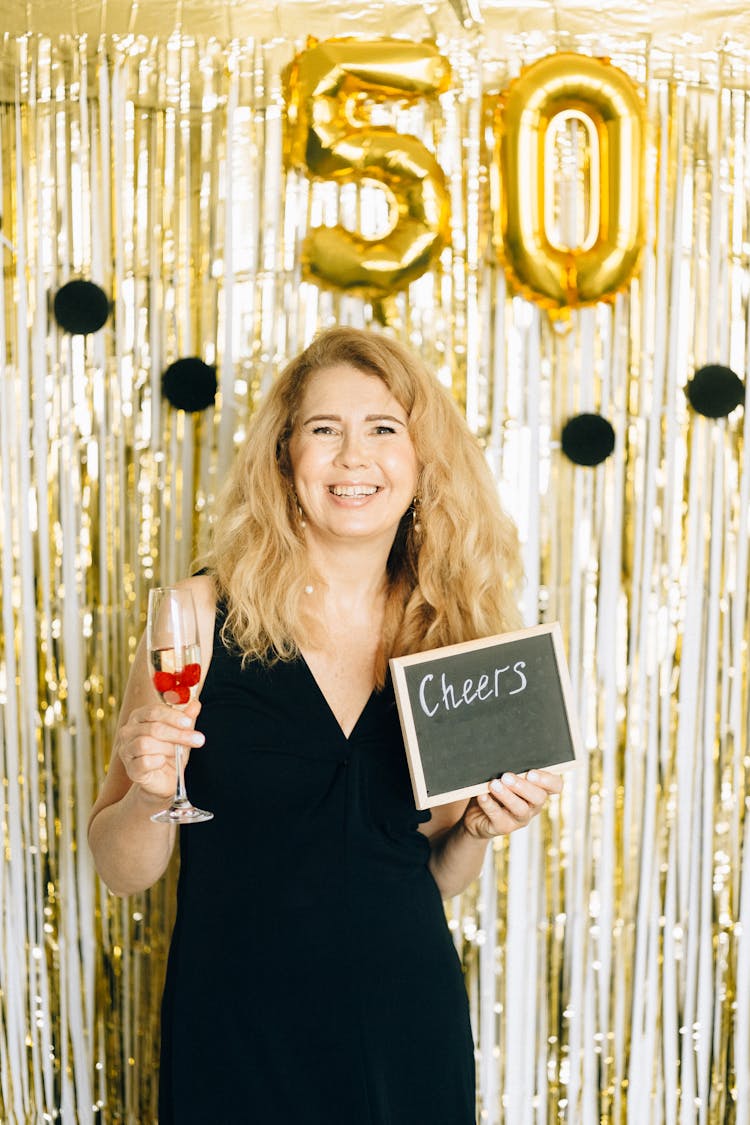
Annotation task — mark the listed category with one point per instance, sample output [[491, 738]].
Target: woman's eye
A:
[[385, 429], [323, 430]]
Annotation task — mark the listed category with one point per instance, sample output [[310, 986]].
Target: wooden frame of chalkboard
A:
[[470, 712]]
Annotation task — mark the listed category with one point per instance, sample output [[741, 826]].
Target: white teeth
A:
[[353, 490]]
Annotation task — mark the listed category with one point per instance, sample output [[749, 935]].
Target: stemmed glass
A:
[[175, 657]]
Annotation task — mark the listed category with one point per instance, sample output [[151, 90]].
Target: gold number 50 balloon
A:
[[591, 259], [330, 90]]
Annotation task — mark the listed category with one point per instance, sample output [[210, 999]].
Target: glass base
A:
[[184, 813]]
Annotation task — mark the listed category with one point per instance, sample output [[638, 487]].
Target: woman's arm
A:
[[459, 845], [130, 851]]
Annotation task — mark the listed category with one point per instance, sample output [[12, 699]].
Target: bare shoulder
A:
[[203, 589]]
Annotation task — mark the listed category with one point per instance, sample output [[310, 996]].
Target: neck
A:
[[352, 574]]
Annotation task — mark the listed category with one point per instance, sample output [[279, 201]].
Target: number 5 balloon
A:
[[330, 90]]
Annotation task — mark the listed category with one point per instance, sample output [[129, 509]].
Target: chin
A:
[[364, 532]]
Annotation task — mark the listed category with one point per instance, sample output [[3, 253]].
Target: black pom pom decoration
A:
[[189, 384], [715, 391], [588, 439], [80, 307]]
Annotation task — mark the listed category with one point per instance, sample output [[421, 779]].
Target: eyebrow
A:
[[368, 418]]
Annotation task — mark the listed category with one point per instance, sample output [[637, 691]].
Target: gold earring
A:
[[415, 521]]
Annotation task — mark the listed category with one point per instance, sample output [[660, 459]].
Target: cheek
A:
[[299, 461], [408, 470]]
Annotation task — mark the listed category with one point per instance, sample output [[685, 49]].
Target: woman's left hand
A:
[[510, 803]]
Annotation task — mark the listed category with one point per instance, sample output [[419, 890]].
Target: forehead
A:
[[344, 387]]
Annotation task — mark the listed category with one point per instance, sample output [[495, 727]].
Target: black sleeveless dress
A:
[[312, 978]]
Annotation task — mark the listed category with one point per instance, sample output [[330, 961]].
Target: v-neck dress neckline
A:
[[327, 706]]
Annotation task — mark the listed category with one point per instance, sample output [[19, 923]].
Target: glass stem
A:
[[180, 795]]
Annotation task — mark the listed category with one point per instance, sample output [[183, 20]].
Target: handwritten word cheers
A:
[[488, 686]]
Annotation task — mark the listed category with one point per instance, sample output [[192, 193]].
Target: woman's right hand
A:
[[146, 745]]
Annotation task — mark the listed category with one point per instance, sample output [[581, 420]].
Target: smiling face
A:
[[353, 462]]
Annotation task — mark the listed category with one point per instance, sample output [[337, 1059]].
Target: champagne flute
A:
[[174, 655]]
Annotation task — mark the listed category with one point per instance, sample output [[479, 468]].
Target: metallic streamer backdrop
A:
[[607, 949]]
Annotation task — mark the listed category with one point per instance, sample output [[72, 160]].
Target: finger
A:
[[143, 767], [552, 783], [513, 803], [166, 732], [486, 803], [535, 787], [164, 723], [144, 746], [522, 787], [155, 771], [144, 756], [156, 712]]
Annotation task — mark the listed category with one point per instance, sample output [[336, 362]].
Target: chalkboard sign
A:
[[472, 711]]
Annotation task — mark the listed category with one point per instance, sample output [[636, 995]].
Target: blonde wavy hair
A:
[[452, 573]]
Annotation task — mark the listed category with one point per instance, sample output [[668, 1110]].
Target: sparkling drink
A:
[[174, 654], [176, 673]]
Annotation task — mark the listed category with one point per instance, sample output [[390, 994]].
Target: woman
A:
[[312, 979]]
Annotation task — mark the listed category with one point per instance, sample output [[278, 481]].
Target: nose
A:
[[352, 451]]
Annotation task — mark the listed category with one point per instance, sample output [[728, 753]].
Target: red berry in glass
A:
[[176, 673], [190, 676], [163, 682]]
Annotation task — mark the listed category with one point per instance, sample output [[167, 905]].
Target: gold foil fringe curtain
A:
[[607, 949]]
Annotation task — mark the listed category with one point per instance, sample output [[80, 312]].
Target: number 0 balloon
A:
[[549, 259]]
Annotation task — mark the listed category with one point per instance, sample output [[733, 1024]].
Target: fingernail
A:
[[197, 738], [510, 779], [533, 776], [184, 721], [497, 787]]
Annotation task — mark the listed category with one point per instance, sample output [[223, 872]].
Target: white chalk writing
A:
[[488, 686]]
